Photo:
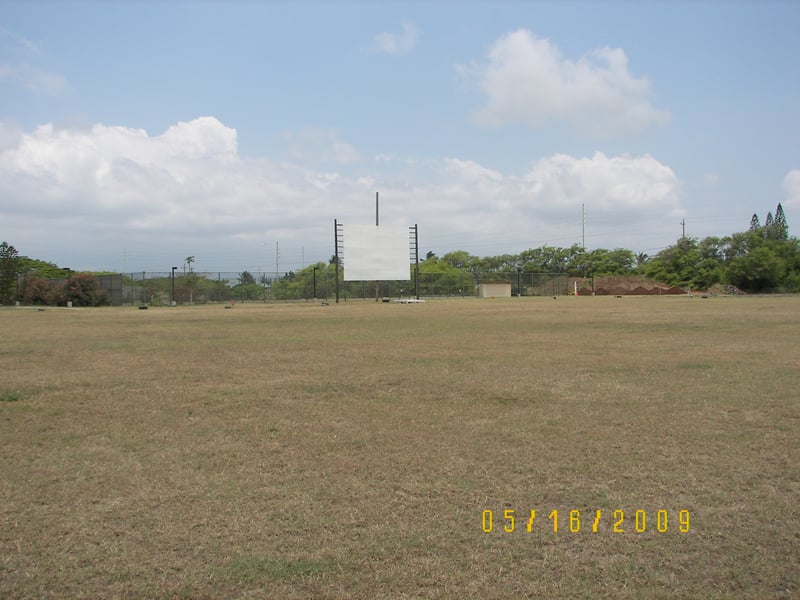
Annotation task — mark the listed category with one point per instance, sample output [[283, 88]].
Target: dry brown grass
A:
[[348, 451]]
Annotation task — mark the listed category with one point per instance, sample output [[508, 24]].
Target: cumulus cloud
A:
[[791, 186], [190, 176], [614, 184], [466, 205], [527, 80], [397, 43], [10, 135], [609, 183], [107, 187]]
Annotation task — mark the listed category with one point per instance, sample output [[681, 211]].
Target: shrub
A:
[[81, 290], [40, 291], [84, 290]]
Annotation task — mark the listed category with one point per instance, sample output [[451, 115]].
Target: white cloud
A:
[[462, 204], [526, 80], [791, 185], [122, 177], [619, 183], [20, 66], [99, 189], [472, 171], [397, 43], [10, 136]]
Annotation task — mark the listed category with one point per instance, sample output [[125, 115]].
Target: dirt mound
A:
[[622, 285], [725, 290]]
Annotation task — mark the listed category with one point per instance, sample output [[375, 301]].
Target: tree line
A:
[[764, 258]]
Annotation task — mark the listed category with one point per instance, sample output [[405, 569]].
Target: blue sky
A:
[[133, 134]]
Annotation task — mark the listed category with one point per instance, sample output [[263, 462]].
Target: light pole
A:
[[519, 287], [172, 295], [315, 282]]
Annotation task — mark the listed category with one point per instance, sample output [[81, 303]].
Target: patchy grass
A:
[[298, 451]]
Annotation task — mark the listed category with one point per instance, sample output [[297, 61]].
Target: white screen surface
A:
[[376, 253]]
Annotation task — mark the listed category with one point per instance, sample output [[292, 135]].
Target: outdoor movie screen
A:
[[376, 253]]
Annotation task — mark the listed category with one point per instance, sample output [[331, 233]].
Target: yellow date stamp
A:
[[509, 520]]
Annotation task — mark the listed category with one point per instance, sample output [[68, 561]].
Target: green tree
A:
[[758, 270], [549, 259], [780, 228], [688, 263], [611, 262], [674, 264], [9, 269], [459, 259], [739, 244], [768, 222], [438, 277], [710, 267]]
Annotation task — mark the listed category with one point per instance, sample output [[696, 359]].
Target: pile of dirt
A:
[[622, 285], [725, 290]]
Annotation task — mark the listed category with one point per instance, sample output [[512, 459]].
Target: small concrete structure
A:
[[494, 289]]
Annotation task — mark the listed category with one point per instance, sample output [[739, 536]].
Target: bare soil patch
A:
[[623, 285]]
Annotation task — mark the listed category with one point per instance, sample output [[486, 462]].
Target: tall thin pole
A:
[[377, 221], [416, 261], [583, 226], [336, 256]]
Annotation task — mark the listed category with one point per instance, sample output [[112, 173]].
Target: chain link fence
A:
[[164, 288]]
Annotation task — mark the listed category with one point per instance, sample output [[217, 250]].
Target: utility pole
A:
[[683, 228], [583, 227]]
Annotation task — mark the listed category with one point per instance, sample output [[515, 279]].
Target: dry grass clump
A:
[[349, 451]]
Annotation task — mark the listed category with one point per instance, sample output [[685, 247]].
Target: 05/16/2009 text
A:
[[638, 521]]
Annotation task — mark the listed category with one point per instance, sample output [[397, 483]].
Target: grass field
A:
[[354, 450]]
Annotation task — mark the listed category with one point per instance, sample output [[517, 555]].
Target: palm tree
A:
[[190, 281]]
